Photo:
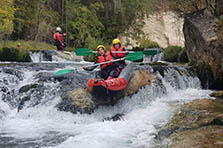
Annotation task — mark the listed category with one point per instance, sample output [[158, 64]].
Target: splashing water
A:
[[143, 115]]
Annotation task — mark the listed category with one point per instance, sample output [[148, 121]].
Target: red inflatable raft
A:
[[115, 84]]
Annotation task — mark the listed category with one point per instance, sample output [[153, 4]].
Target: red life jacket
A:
[[105, 58], [58, 37], [117, 55]]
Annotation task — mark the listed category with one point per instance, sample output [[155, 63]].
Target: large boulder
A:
[[140, 79], [79, 100], [197, 124], [203, 33]]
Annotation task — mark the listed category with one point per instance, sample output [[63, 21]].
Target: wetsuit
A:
[[58, 41]]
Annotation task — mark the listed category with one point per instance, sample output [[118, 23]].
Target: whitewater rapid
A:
[[144, 114]]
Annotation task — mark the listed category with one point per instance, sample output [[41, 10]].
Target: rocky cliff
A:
[[165, 28], [204, 42]]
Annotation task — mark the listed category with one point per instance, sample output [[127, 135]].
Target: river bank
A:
[[196, 124]]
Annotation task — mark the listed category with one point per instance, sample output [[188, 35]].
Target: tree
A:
[[34, 20], [85, 29], [6, 17]]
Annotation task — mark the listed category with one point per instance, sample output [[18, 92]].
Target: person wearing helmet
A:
[[58, 39], [118, 51], [19, 45], [108, 70]]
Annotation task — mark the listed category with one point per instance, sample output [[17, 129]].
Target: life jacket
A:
[[105, 58], [117, 55], [58, 37]]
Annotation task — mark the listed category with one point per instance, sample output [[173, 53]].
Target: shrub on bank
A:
[[146, 43], [175, 54], [14, 54], [28, 45]]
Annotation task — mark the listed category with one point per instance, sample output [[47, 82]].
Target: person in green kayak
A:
[[107, 70]]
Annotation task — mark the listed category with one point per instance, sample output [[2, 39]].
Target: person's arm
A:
[[91, 68], [126, 51], [59, 38]]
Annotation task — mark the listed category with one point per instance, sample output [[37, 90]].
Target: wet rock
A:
[[217, 121], [163, 133], [22, 102], [27, 87], [14, 72], [114, 118], [4, 89], [197, 124], [217, 94], [45, 76], [54, 55], [196, 114], [46, 55], [139, 79], [73, 80], [209, 137], [204, 43], [79, 100]]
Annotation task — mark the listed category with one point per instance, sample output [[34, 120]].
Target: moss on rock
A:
[[175, 54]]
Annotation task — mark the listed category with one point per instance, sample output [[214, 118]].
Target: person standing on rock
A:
[[58, 39]]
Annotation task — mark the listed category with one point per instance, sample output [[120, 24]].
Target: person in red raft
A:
[[58, 39], [108, 70], [118, 51]]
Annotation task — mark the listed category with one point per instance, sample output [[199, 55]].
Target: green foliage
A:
[[146, 43], [14, 54], [175, 54], [28, 45], [6, 17], [91, 58], [119, 15], [34, 20], [87, 23], [84, 26]]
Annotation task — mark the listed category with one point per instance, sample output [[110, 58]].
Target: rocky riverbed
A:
[[196, 124]]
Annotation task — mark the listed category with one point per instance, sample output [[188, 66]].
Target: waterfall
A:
[[54, 56], [29, 117], [154, 58]]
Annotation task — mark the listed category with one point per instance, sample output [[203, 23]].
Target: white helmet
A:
[[58, 29]]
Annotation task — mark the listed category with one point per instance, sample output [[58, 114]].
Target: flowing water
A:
[[40, 124]]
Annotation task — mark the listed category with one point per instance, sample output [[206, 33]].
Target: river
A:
[[39, 124]]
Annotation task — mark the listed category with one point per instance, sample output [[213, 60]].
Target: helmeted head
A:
[[116, 43], [101, 49], [19, 45], [58, 29]]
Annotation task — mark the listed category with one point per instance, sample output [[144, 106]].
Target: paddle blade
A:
[[138, 55], [83, 51], [64, 71], [150, 52]]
